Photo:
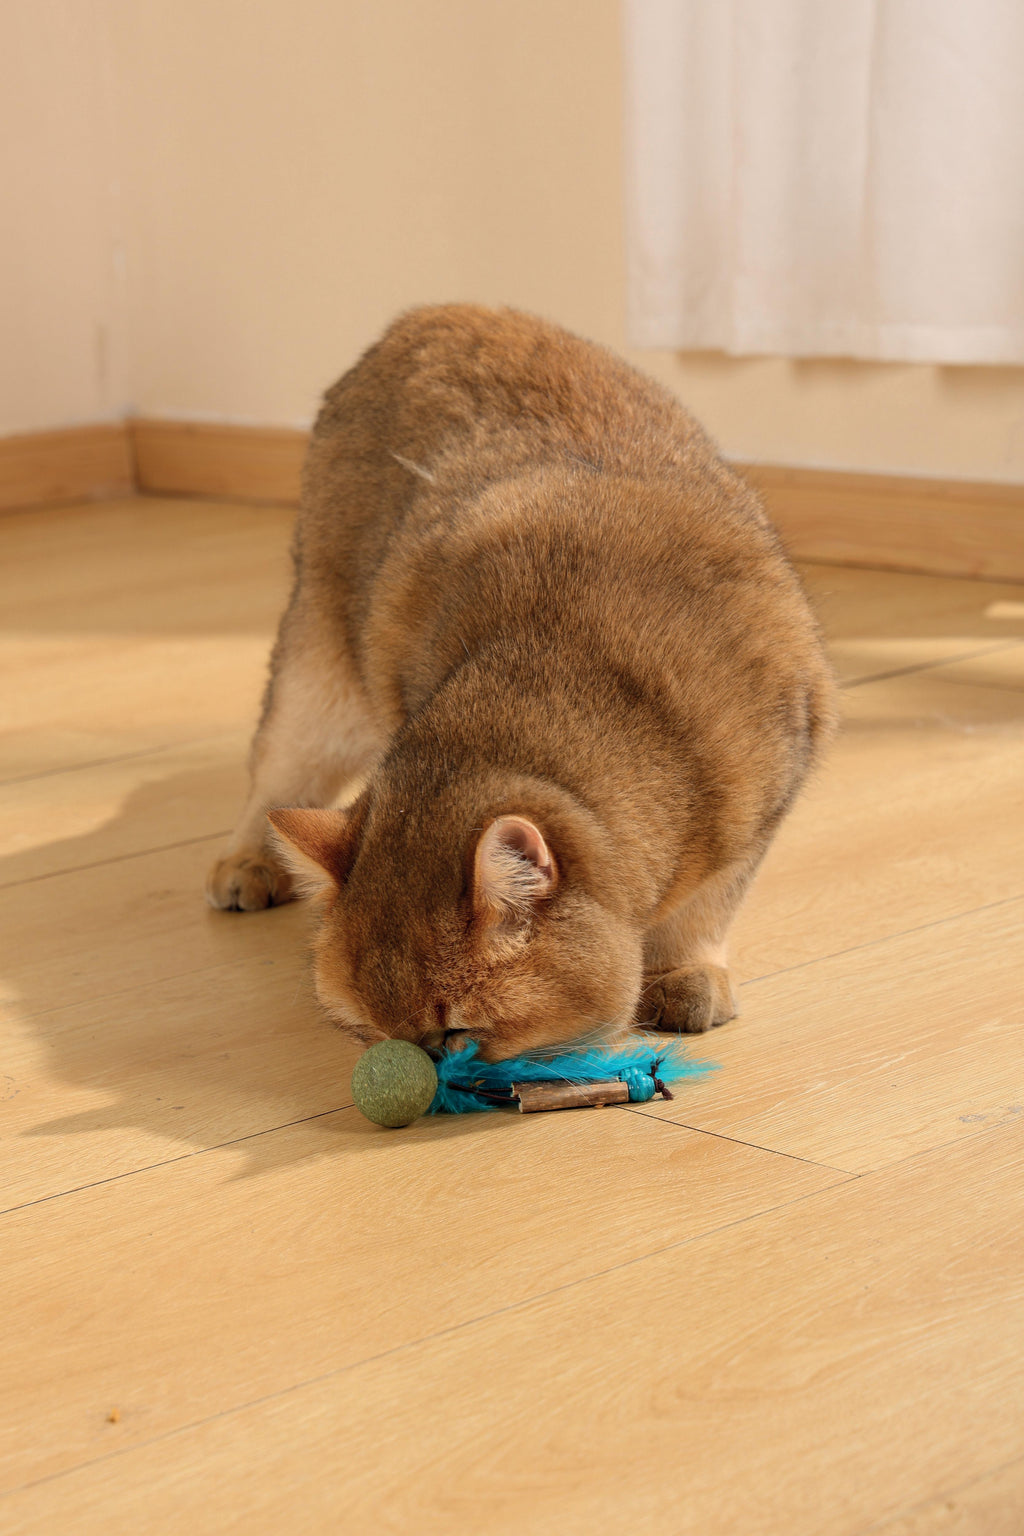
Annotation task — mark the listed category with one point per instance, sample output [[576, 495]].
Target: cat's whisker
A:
[[596, 1036]]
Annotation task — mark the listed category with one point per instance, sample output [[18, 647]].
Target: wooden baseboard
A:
[[70, 464], [944, 527], [180, 458], [897, 522]]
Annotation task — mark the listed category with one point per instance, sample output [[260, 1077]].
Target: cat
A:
[[560, 642]]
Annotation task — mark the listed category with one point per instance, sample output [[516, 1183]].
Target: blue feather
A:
[[466, 1083]]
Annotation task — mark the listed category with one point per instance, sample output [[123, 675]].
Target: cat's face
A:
[[496, 944]]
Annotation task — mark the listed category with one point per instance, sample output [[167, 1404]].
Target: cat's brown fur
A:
[[562, 641]]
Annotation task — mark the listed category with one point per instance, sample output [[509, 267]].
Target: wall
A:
[[295, 171], [961, 423], [62, 347], [302, 170]]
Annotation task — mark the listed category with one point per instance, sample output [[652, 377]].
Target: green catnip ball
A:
[[394, 1082]]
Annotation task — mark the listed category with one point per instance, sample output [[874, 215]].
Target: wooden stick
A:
[[534, 1097]]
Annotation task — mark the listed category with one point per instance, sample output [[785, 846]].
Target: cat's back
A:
[[449, 375], [456, 398], [478, 392], [483, 484]]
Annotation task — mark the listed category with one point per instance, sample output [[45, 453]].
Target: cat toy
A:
[[395, 1082]]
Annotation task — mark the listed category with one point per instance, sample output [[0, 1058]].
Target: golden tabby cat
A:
[[560, 641]]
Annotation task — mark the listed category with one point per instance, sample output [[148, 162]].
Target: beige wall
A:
[[301, 169], [295, 171], [964, 423], [62, 356]]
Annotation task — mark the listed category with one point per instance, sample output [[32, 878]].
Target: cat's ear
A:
[[514, 871], [316, 845]]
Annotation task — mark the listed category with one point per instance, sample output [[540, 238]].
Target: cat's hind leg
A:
[[687, 987], [317, 733]]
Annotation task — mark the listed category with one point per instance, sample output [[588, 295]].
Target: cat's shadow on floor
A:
[[187, 1029]]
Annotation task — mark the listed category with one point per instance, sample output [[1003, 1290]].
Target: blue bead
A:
[[640, 1081]]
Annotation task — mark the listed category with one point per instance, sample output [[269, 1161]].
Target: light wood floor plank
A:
[[992, 1505], [115, 810], [130, 924], [211, 1227], [879, 621], [152, 626], [815, 1369], [144, 566], [173, 1067], [862, 661], [875, 1054], [1003, 668], [83, 699], [313, 1248], [906, 823]]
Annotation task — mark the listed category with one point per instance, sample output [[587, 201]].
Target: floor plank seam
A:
[[182, 1157], [902, 933], [905, 1511], [116, 858], [853, 1173], [271, 1130], [978, 578], [428, 1338], [998, 649], [993, 684], [120, 757], [943, 1146], [638, 1109]]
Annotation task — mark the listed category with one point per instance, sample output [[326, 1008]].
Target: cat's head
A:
[[442, 928]]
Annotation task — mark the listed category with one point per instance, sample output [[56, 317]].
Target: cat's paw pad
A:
[[247, 883], [689, 1000]]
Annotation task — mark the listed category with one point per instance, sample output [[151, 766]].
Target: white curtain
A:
[[827, 177]]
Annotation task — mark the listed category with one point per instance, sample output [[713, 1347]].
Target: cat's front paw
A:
[[689, 1000], [248, 883]]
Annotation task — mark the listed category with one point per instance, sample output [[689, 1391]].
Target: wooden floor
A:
[[791, 1301]]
